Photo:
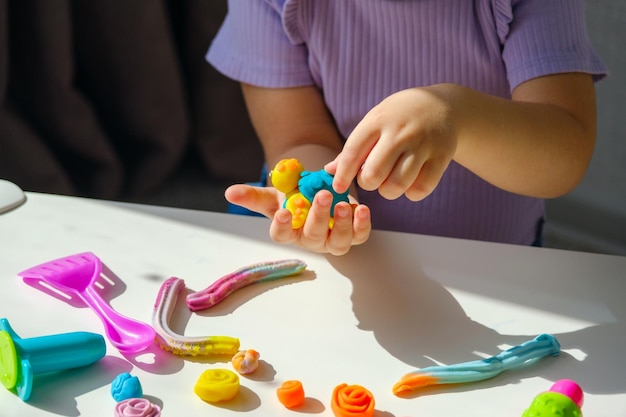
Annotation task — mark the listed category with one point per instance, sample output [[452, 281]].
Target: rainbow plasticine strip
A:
[[515, 357], [260, 272], [170, 290], [179, 344]]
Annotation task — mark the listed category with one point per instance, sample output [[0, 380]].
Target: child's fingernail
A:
[[362, 214], [342, 212], [325, 199], [283, 217]]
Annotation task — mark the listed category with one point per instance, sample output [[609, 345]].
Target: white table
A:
[[398, 303]]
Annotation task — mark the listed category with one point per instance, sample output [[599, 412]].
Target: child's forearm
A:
[[538, 144], [293, 123]]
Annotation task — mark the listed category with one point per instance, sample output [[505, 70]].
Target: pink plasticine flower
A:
[[137, 407]]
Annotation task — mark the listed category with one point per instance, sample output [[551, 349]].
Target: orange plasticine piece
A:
[[352, 401], [290, 393]]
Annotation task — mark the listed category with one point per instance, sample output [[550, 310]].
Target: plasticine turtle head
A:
[[286, 174]]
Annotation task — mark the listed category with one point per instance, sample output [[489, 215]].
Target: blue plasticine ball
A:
[[125, 386]]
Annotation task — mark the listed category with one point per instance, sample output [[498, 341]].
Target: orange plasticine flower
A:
[[352, 401]]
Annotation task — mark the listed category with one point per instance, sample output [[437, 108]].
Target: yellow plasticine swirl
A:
[[215, 385], [352, 401]]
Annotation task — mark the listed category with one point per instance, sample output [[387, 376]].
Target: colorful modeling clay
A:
[[22, 359], [517, 356], [245, 361], [215, 385], [137, 407], [260, 272], [300, 187], [76, 276], [179, 344], [563, 399], [291, 394], [125, 386], [352, 401]]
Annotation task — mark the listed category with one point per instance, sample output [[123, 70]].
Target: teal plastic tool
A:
[[22, 359]]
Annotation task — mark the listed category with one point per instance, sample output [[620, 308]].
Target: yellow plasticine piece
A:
[[215, 385]]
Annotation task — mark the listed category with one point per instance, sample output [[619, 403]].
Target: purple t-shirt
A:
[[358, 52]]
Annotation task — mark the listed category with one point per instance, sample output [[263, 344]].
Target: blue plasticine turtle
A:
[[300, 186]]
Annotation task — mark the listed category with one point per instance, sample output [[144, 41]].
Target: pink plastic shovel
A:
[[76, 275]]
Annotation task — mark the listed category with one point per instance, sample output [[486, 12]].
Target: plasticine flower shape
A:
[[216, 385], [137, 407], [352, 401]]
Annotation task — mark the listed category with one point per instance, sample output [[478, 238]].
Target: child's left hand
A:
[[351, 227]]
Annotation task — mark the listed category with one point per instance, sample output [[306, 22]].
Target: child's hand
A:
[[351, 227], [402, 146]]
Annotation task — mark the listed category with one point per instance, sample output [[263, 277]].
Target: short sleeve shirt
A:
[[358, 52]]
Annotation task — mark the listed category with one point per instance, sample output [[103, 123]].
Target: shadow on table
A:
[[62, 386], [417, 320]]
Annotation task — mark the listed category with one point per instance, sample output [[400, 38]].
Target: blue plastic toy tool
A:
[[22, 359]]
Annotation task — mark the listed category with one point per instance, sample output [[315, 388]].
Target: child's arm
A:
[[295, 123], [537, 144]]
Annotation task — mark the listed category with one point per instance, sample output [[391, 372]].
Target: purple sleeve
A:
[[542, 37], [267, 59]]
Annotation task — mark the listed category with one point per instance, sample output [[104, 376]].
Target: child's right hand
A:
[[351, 227], [402, 146]]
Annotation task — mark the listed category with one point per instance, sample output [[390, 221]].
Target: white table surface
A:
[[398, 303]]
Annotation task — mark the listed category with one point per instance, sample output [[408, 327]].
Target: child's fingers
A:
[[426, 181], [361, 225], [315, 230], [259, 199], [340, 238], [401, 177], [353, 156], [281, 230]]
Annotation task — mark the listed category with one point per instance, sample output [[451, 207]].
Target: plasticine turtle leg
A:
[[299, 207]]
